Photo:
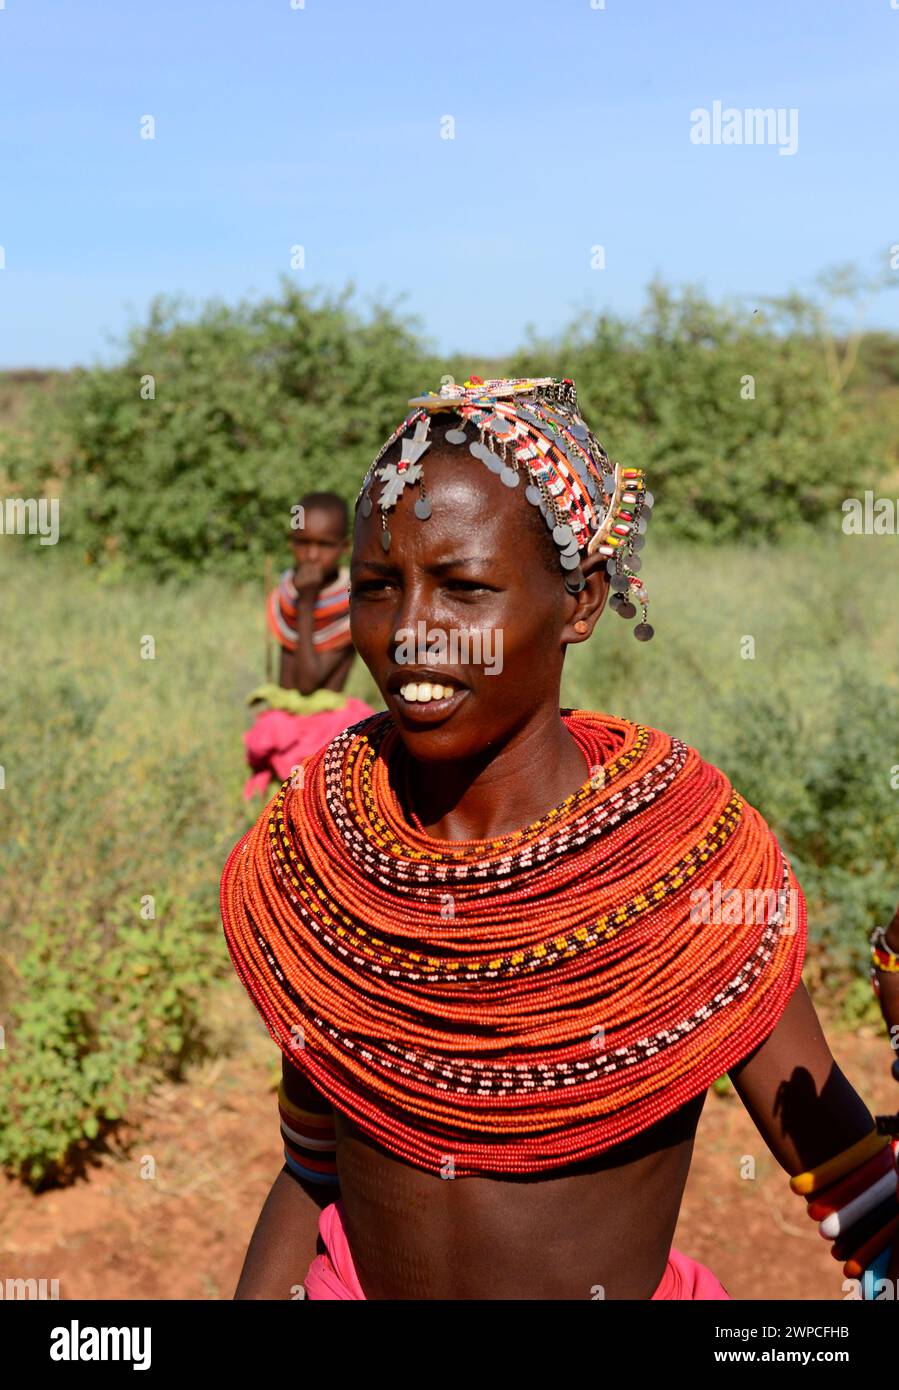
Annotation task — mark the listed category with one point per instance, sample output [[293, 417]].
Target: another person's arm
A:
[[306, 669], [801, 1103], [283, 1243], [888, 991]]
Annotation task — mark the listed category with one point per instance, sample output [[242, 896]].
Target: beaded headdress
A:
[[532, 427]]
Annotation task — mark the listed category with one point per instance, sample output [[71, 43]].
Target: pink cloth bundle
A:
[[278, 742], [334, 1275]]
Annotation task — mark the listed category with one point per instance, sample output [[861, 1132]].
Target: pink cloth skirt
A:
[[278, 742], [334, 1276]]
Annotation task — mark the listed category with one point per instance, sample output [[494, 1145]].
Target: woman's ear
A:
[[586, 606]]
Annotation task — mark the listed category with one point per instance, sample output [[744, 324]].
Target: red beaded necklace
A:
[[524, 1002]]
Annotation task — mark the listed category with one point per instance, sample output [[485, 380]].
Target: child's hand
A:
[[308, 578]]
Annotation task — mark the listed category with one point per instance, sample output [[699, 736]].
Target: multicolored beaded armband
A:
[[881, 955], [309, 1141], [853, 1197]]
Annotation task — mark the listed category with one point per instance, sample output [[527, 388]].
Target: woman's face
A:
[[461, 600]]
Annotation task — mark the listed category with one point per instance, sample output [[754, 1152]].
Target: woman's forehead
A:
[[466, 502], [530, 434]]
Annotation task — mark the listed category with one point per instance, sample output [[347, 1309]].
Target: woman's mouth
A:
[[424, 701]]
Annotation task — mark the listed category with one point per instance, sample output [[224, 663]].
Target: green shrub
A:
[[103, 1012], [257, 403], [666, 393]]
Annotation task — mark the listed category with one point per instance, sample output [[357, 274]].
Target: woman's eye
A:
[[471, 586], [369, 586]]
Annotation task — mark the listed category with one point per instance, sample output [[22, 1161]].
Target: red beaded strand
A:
[[450, 993]]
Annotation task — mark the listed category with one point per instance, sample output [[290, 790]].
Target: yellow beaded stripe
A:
[[382, 836], [317, 1117], [582, 938], [806, 1184]]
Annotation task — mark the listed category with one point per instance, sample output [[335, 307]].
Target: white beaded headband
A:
[[530, 429]]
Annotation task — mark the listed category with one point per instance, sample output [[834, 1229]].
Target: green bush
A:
[[255, 404], [666, 393], [104, 1011], [250, 407]]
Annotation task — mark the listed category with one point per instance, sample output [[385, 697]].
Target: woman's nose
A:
[[413, 608]]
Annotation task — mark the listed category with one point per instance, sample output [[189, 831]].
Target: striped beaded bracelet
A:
[[310, 1141], [854, 1197], [881, 955]]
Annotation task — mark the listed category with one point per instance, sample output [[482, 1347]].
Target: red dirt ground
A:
[[214, 1139]]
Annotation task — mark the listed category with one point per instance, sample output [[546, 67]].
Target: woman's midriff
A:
[[602, 1230]]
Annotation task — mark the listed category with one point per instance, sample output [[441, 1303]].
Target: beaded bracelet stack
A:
[[530, 429], [853, 1197], [310, 1142], [885, 960], [882, 958]]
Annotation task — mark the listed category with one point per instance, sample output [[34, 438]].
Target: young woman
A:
[[480, 931]]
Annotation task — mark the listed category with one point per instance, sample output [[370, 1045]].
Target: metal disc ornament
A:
[[562, 534], [569, 562], [455, 437], [365, 505], [423, 508], [385, 540], [627, 609], [643, 632], [533, 494], [509, 477]]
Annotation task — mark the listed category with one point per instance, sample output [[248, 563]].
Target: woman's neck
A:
[[503, 790]]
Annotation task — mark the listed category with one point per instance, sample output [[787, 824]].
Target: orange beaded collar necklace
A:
[[519, 1004]]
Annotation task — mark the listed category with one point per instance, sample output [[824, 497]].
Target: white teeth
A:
[[422, 693]]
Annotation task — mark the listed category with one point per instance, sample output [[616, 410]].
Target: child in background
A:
[[308, 613]]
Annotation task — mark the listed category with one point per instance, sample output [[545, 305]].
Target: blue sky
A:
[[320, 126]]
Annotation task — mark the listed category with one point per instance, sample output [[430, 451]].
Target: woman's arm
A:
[[284, 1239], [801, 1103], [282, 1245]]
